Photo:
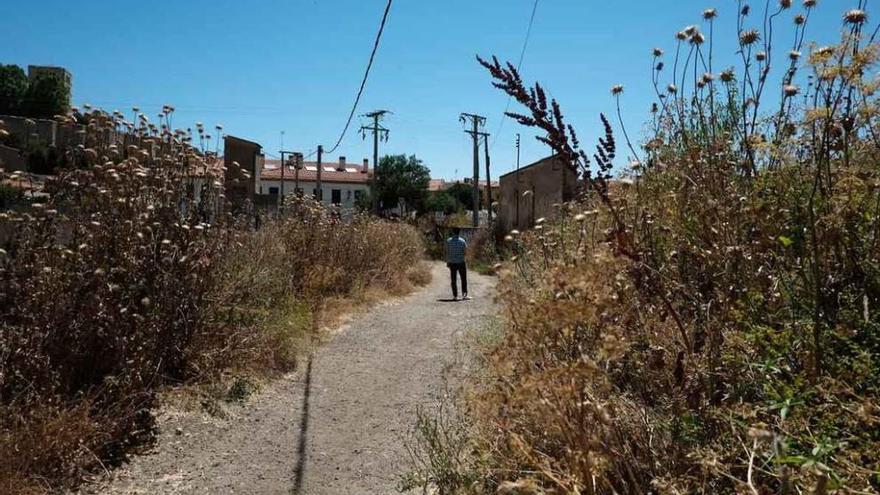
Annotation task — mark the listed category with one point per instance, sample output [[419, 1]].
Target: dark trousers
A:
[[461, 270]]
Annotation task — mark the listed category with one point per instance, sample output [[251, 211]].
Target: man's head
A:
[[456, 231]]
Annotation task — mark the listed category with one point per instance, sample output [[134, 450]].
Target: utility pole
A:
[[477, 122], [517, 180], [485, 136], [282, 170], [377, 131], [319, 193]]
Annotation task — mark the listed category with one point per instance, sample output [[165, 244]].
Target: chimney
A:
[[341, 166], [366, 168]]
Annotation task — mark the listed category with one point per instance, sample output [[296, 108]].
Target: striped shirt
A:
[[455, 248]]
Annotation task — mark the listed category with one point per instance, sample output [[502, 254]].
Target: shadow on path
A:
[[299, 474]]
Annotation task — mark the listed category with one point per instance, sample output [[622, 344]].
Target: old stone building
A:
[[532, 191]]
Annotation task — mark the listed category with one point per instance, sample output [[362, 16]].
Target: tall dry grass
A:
[[706, 322], [120, 284]]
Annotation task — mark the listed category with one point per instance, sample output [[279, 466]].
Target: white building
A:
[[342, 183]]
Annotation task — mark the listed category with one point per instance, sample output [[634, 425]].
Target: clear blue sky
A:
[[260, 67]]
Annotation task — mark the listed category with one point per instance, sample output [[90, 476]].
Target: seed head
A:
[[697, 38], [784, 4], [809, 3], [794, 55], [708, 77], [727, 75], [761, 56], [617, 89], [681, 36], [800, 19], [855, 16], [749, 37], [689, 30], [658, 52], [672, 89], [791, 90], [710, 14]]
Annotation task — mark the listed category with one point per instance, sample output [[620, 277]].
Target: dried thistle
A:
[[749, 37], [855, 16]]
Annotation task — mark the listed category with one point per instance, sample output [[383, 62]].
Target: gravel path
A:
[[336, 426]]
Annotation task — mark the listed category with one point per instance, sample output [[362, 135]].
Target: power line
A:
[[364, 81], [522, 55]]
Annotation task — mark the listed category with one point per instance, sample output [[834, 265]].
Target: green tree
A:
[[47, 96], [463, 193], [399, 177], [13, 89], [442, 202]]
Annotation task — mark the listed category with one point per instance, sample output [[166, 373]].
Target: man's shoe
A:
[[466, 298]]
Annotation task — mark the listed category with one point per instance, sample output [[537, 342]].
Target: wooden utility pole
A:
[[477, 122], [517, 180], [485, 136], [377, 131], [319, 193]]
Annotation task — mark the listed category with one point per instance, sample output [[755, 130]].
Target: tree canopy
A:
[[44, 97], [401, 178], [13, 89], [47, 96]]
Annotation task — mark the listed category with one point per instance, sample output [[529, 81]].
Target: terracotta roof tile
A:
[[353, 174]]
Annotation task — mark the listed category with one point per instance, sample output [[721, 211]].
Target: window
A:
[[273, 190], [348, 195], [336, 196]]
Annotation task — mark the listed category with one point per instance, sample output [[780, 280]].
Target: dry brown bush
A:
[[708, 322], [120, 284]]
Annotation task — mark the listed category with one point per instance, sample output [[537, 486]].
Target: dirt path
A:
[[335, 427]]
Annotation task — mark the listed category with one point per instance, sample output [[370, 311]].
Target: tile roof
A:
[[353, 173]]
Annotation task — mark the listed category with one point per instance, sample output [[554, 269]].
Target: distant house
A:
[[342, 183], [531, 192], [439, 185]]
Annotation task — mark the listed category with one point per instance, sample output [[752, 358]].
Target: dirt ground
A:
[[337, 426]]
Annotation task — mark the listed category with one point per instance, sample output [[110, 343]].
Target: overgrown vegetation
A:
[[43, 97], [708, 321], [121, 283]]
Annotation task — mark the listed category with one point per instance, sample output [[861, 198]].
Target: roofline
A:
[[538, 162], [258, 145], [323, 179]]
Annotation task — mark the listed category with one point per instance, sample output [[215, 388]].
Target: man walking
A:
[[456, 247]]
